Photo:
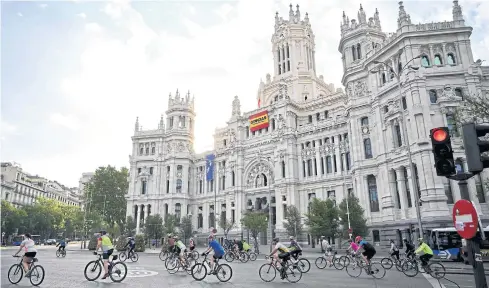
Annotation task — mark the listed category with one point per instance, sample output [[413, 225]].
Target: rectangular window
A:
[[347, 160], [167, 186], [334, 164], [341, 161], [376, 236], [233, 216], [315, 167], [150, 170], [397, 135], [309, 118], [318, 116], [322, 166], [303, 169], [325, 114], [309, 167], [328, 165]]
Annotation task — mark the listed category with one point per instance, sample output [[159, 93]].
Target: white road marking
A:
[[434, 282]]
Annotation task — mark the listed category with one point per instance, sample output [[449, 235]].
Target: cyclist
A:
[[246, 246], [171, 243], [30, 251], [218, 251], [279, 247], [295, 248], [427, 252], [394, 249], [368, 249], [324, 244], [409, 248], [61, 245], [353, 246], [181, 249], [132, 244], [191, 244], [239, 245], [105, 244]]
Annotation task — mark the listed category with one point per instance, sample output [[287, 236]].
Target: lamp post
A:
[[405, 131], [270, 213]]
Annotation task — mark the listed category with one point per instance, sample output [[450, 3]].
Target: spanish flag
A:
[[259, 121]]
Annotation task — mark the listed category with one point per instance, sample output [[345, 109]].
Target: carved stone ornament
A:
[[236, 106], [258, 169], [365, 130], [180, 147], [308, 153], [200, 175], [169, 148]]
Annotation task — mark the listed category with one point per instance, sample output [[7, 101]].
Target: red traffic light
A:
[[440, 135]]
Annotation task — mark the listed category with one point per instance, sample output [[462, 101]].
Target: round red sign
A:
[[465, 219]]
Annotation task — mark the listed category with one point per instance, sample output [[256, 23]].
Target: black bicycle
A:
[[115, 269], [131, 255], [268, 271], [35, 272], [223, 272], [61, 253]]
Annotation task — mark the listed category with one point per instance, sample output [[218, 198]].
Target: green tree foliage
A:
[[255, 222], [186, 228], [170, 224], [153, 226], [92, 244], [292, 222], [226, 225], [121, 242], [322, 218], [11, 218], [105, 194], [475, 109], [139, 243], [357, 218], [129, 228]]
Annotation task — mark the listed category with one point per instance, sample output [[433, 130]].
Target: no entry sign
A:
[[465, 219]]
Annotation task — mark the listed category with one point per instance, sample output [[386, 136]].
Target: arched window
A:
[[450, 59], [364, 121], [178, 210], [233, 178], [425, 61], [261, 180], [438, 60], [283, 169], [399, 67], [372, 193], [354, 52], [143, 187], [384, 79], [308, 144], [179, 185], [329, 167], [153, 150], [367, 146], [147, 150], [392, 75], [459, 166], [359, 51], [458, 93], [273, 124], [326, 140], [247, 132], [433, 96], [141, 151]]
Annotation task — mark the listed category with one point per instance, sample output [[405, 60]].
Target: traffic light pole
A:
[[473, 245]]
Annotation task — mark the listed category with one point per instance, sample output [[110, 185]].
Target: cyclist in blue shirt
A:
[[132, 244], [368, 249], [218, 251], [61, 245]]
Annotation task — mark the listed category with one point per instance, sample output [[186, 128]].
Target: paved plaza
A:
[[149, 272]]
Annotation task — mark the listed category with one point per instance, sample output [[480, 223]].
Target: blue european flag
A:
[[209, 167]]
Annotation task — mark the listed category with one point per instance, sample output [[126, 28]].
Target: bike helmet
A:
[[276, 240], [175, 237], [103, 232], [291, 237], [358, 238], [420, 240], [405, 240]]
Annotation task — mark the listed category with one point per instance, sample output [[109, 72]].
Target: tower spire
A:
[[298, 13], [404, 18], [457, 11], [161, 126], [362, 18], [136, 125], [291, 13]]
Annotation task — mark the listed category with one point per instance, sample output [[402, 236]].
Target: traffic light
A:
[[442, 151], [474, 147]]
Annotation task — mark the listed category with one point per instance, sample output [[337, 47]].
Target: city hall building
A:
[[309, 139]]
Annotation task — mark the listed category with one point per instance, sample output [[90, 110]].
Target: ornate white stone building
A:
[[321, 142]]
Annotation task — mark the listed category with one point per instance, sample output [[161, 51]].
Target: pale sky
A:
[[75, 74]]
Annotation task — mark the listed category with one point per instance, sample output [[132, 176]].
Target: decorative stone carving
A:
[[258, 169], [308, 153], [237, 106], [169, 149], [180, 147]]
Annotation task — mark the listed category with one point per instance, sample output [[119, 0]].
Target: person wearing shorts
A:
[[368, 249], [30, 251], [218, 251], [284, 252], [107, 249]]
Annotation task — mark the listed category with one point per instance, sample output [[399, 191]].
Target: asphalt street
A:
[[149, 272]]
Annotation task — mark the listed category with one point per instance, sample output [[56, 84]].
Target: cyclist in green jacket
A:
[[427, 252]]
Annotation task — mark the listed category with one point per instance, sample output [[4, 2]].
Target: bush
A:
[[121, 242], [92, 244], [139, 243]]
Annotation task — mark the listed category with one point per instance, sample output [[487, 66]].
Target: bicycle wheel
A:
[[15, 270], [243, 257], [199, 271], [64, 254], [195, 255], [134, 257], [229, 257], [253, 256], [377, 270], [410, 268], [189, 263], [172, 265], [386, 263], [118, 272], [224, 272], [37, 275], [267, 270], [163, 255], [337, 263], [354, 270], [93, 267], [437, 270], [58, 253], [344, 261], [321, 262], [304, 265], [123, 256], [293, 274], [399, 265]]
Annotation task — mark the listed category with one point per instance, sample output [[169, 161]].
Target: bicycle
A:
[[435, 269], [173, 263], [125, 254], [375, 269], [323, 260], [345, 260], [251, 255], [61, 253], [232, 255], [98, 266], [219, 270], [32, 273], [302, 263], [286, 271], [388, 262]]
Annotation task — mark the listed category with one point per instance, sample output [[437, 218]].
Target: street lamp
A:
[[405, 131]]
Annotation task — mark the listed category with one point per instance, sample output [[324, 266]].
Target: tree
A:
[[106, 193], [129, 227], [357, 220], [292, 222], [226, 226], [255, 222], [186, 228], [11, 218], [170, 224], [322, 218], [153, 226], [475, 109]]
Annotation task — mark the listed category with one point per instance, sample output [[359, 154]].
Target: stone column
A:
[[401, 185], [393, 187], [205, 217], [318, 162], [278, 209], [338, 156], [138, 218], [412, 211]]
